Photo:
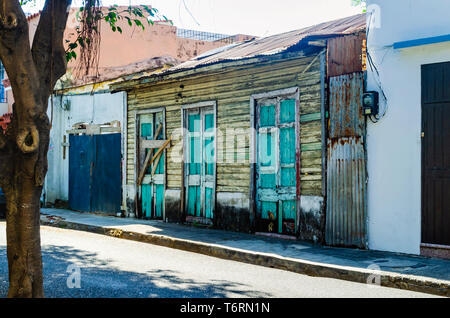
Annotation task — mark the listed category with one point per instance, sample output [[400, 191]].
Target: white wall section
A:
[[94, 109], [394, 143]]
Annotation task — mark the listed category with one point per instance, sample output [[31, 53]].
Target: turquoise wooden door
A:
[[200, 163], [276, 194], [152, 188]]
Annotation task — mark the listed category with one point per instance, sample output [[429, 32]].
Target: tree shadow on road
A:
[[98, 278]]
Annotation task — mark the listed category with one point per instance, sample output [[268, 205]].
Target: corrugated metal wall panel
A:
[[346, 114], [345, 54], [346, 172], [346, 193]]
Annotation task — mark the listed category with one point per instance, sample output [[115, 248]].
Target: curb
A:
[[386, 279]]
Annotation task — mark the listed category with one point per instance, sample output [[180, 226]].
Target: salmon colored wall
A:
[[135, 44]]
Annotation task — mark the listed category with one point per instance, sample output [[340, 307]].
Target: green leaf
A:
[[81, 41]]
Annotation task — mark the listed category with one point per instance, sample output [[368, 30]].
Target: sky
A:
[[252, 17]]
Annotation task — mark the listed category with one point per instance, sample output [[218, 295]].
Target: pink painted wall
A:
[[135, 44]]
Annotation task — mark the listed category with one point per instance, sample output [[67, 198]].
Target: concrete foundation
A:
[[312, 219], [232, 212], [172, 198]]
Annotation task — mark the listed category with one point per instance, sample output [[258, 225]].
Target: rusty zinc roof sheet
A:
[[276, 43]]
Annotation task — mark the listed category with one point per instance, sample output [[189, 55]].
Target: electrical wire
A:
[[374, 69], [190, 13]]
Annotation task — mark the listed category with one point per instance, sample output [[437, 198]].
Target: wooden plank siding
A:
[[231, 89]]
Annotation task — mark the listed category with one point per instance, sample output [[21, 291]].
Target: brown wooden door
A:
[[436, 153]]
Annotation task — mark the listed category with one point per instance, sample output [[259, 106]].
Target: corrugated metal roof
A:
[[289, 41], [128, 71], [277, 43]]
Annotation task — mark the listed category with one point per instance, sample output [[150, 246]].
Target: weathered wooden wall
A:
[[232, 88]]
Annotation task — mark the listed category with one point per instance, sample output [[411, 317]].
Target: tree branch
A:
[[15, 54], [48, 49]]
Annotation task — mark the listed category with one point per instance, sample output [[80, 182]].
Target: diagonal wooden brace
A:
[[149, 161]]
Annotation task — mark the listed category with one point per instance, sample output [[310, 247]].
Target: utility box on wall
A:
[[370, 103]]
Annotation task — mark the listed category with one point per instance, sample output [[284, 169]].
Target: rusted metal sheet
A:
[[346, 114], [269, 45], [345, 54], [346, 193]]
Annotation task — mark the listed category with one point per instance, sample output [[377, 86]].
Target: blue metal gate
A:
[[94, 173]]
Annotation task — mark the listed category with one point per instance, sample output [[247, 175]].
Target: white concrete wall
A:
[[394, 143], [3, 108], [94, 109]]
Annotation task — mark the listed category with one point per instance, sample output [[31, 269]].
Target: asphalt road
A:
[[111, 267]]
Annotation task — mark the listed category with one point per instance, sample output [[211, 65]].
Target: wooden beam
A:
[[156, 163], [158, 131], [321, 43], [152, 144], [159, 156], [95, 130], [149, 161]]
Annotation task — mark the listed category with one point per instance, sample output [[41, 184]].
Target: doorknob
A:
[[422, 134]]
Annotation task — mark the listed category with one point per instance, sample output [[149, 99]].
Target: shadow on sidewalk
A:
[[362, 259], [99, 279]]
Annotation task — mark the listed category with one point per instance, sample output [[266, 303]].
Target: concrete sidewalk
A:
[[409, 272]]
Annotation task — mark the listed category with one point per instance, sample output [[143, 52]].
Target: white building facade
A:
[[69, 109], [403, 35]]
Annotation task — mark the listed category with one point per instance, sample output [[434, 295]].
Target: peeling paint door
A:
[[152, 188], [276, 165], [200, 164]]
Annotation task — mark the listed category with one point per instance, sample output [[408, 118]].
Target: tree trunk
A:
[[33, 73], [23, 240], [23, 192]]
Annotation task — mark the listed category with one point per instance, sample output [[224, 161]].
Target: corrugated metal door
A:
[[276, 199], [346, 193], [346, 218], [436, 153]]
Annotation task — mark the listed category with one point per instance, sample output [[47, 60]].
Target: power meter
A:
[[370, 102]]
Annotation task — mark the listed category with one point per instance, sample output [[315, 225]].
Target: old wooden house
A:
[[237, 138]]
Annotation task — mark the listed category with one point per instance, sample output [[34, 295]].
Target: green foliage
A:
[[135, 16], [356, 3], [24, 2], [360, 3]]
